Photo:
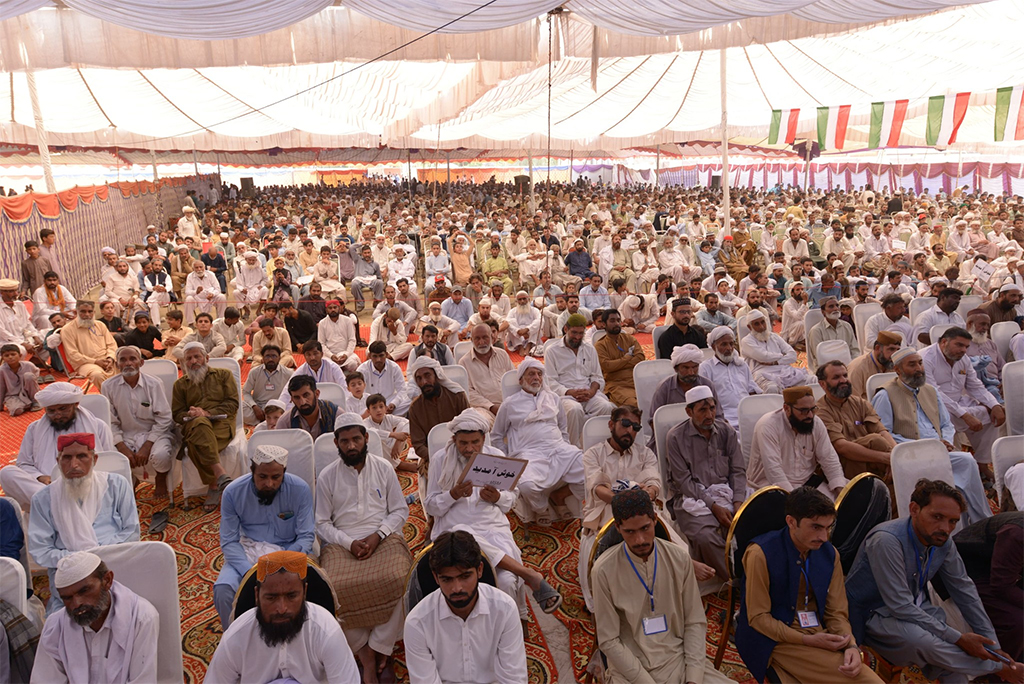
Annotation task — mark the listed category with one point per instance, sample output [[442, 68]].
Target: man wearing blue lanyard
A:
[[650, 620], [888, 591], [793, 614]]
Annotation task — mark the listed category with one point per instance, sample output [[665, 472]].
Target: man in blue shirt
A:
[[457, 307], [265, 511], [826, 288], [594, 295], [579, 262]]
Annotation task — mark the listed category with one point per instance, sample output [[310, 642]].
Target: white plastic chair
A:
[[936, 331], [913, 460], [231, 457], [509, 384], [461, 349], [334, 393], [968, 303], [595, 431], [14, 584], [1001, 333], [708, 353], [166, 371], [108, 462], [150, 569], [918, 306], [666, 418], [876, 381], [458, 374], [1006, 452], [1013, 390], [647, 375], [831, 350], [861, 314], [437, 438], [300, 451], [812, 318], [750, 410], [655, 336], [326, 452], [98, 405]]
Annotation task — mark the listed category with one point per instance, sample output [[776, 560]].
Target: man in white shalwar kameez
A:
[[794, 310], [523, 333], [640, 313], [101, 618], [202, 291], [769, 357], [531, 425], [574, 373], [37, 456], [250, 285], [337, 334], [483, 512]]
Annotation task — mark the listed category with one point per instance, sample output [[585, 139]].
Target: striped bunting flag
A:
[[832, 123], [887, 123], [1009, 114], [945, 114], [784, 125]]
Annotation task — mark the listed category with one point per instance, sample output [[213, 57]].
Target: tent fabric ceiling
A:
[[203, 20]]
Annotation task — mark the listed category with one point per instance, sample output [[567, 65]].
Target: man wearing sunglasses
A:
[[791, 448]]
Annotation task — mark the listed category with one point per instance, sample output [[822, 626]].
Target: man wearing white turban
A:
[[686, 360], [105, 632], [267, 510], [483, 512], [769, 357], [727, 372], [531, 425], [523, 333], [250, 284], [37, 455], [436, 399]]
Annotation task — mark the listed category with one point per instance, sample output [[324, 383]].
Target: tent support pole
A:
[[448, 162], [409, 153], [195, 162], [152, 153], [726, 221], [570, 167], [807, 166], [41, 137], [657, 166], [529, 161]]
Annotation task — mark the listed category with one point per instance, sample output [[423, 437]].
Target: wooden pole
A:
[[726, 222], [41, 137]]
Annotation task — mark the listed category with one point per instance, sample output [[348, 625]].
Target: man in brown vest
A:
[[877, 360], [910, 410]]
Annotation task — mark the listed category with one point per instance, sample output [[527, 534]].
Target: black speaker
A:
[[522, 183], [248, 188], [716, 182]]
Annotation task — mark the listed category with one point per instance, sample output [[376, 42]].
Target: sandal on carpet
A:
[[158, 522], [544, 594], [212, 501], [222, 482]]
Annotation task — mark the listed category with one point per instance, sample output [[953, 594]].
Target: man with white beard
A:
[[80, 510], [88, 345], [37, 455], [523, 333], [390, 330], [574, 373], [140, 418], [728, 374], [832, 328], [202, 291], [769, 357], [447, 328], [250, 284], [483, 512], [645, 264], [105, 632], [674, 261], [337, 334], [794, 309], [122, 288], [531, 425]]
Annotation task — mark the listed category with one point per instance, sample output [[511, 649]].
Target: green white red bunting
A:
[[784, 126], [1009, 114], [887, 123], [945, 114], [832, 122]]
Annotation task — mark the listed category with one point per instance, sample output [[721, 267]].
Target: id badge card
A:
[[656, 624], [269, 387], [808, 618]]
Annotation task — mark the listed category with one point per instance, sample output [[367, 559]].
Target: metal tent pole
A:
[[41, 138], [726, 222]]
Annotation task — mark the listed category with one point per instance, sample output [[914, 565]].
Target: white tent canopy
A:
[[669, 92]]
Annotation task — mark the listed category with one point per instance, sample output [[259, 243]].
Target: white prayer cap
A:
[[718, 333], [754, 315], [897, 356], [267, 453], [108, 250], [527, 363], [275, 403], [195, 344], [187, 208], [9, 284], [126, 348], [687, 353], [251, 255], [224, 235], [75, 568], [58, 393], [346, 420], [838, 264], [523, 293], [485, 300], [699, 393], [1011, 287], [634, 301], [938, 279], [470, 420]]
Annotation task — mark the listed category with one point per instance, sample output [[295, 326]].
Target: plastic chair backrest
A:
[[877, 380], [655, 336], [666, 418], [936, 331], [812, 318], [458, 374], [108, 462], [1013, 390], [98, 405], [14, 584], [325, 452], [437, 439], [764, 511], [232, 365], [832, 350], [166, 371], [150, 569], [913, 460], [299, 444], [1006, 452], [967, 303], [1001, 333], [595, 431], [918, 306], [334, 393], [647, 375], [750, 410], [861, 314], [461, 349], [509, 384]]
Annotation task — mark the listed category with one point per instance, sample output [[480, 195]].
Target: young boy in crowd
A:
[[19, 381], [272, 413], [176, 330], [393, 431], [356, 384]]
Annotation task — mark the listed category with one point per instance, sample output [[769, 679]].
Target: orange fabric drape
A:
[[19, 207]]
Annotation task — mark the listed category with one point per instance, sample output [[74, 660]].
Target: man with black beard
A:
[[360, 514], [440, 400], [464, 631], [791, 448], [877, 360], [308, 412], [856, 433], [104, 633], [284, 637], [267, 510]]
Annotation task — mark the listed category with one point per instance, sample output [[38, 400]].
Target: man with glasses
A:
[[791, 448]]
